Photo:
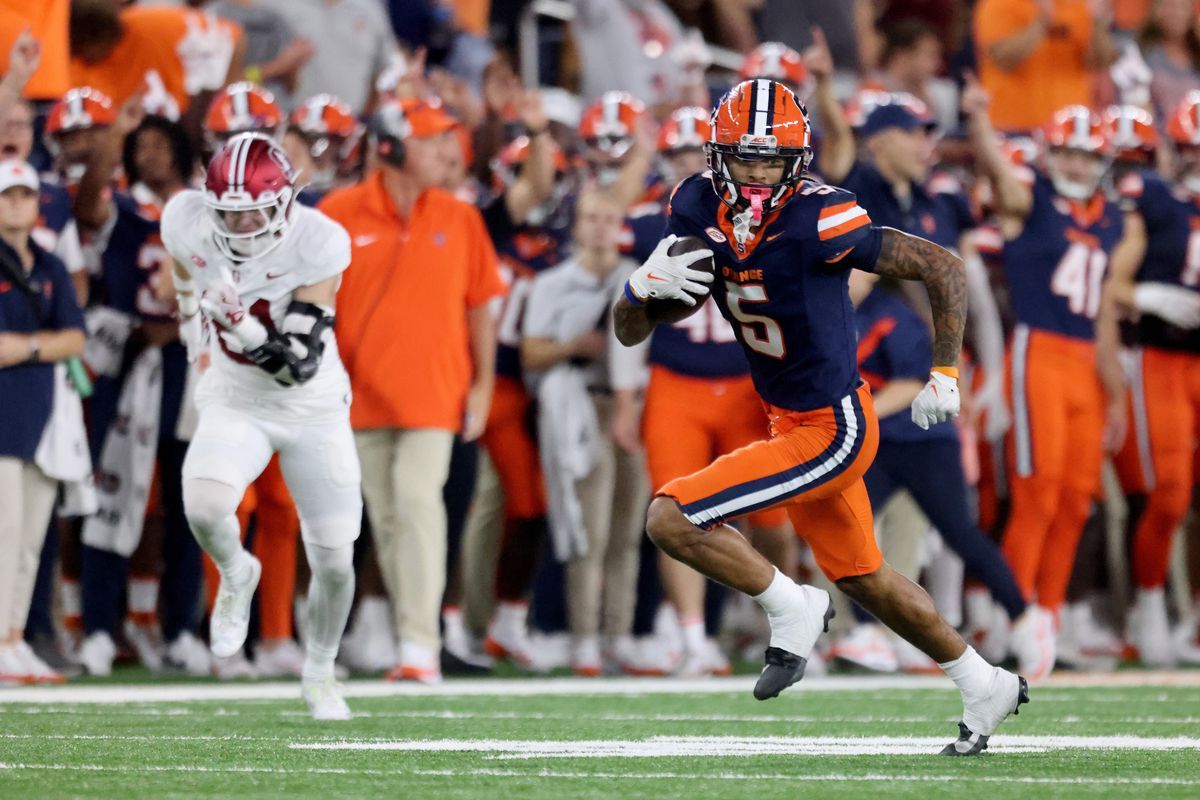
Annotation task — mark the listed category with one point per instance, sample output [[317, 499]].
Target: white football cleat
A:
[[231, 614], [793, 635], [508, 637], [1033, 643], [36, 670], [1187, 643], [188, 654], [866, 646], [585, 657], [146, 641], [1149, 629], [284, 660], [324, 698], [233, 668], [96, 654], [983, 712], [708, 660]]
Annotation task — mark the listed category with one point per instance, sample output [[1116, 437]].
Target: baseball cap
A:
[[15, 172], [892, 115]]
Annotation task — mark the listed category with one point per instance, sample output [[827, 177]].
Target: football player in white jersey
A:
[[260, 272]]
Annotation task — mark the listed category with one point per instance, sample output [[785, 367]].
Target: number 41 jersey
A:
[[785, 289], [1055, 268]]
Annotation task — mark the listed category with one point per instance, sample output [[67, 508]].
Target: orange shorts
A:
[[687, 422], [1163, 407], [513, 452], [812, 465]]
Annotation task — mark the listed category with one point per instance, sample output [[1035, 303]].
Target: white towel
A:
[[63, 452], [568, 442], [127, 459]]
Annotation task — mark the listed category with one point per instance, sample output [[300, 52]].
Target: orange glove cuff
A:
[[948, 371]]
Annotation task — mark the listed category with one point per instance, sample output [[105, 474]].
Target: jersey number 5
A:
[[761, 333], [1079, 277]]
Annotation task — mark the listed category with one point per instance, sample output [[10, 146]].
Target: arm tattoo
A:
[[942, 272], [630, 322]]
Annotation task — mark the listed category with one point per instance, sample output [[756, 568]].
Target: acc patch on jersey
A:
[[715, 234]]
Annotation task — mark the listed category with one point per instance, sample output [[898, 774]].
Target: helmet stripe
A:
[[230, 179], [761, 109], [241, 103]]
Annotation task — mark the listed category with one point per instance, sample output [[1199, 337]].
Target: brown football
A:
[[672, 311]]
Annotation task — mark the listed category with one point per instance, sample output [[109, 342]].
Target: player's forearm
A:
[[837, 153], [895, 396], [482, 333], [1012, 196], [630, 322], [913, 258], [90, 207]]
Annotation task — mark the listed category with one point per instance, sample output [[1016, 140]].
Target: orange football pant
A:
[[1055, 451], [1158, 456], [812, 466], [688, 421]]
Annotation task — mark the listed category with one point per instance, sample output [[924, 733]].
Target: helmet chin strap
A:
[[752, 216]]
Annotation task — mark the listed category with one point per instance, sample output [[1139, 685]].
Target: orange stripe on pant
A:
[[687, 422], [1055, 451], [275, 538], [1157, 458], [812, 466]]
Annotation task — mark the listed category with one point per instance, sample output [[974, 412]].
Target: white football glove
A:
[[667, 277], [937, 402], [1178, 306], [221, 304]]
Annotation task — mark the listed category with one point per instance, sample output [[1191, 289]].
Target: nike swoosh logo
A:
[[363, 241], [653, 277], [774, 236], [272, 277]]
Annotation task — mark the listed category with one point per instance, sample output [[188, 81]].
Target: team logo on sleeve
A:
[[715, 234], [199, 262]]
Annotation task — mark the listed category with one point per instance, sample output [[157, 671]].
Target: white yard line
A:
[[749, 746], [605, 776], [524, 687]]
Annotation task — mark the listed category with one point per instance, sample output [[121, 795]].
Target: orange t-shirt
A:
[[155, 50], [47, 21], [1053, 76], [402, 308]]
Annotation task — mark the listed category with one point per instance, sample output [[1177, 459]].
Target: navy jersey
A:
[[894, 344], [937, 216], [132, 262], [1056, 266], [1172, 218], [785, 289], [528, 251]]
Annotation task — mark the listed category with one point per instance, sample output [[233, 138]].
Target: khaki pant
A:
[[26, 500], [481, 547], [614, 498], [403, 474]]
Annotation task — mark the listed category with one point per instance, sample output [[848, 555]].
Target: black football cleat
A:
[[783, 668], [970, 743]]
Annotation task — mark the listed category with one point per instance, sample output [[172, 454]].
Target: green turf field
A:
[[835, 738]]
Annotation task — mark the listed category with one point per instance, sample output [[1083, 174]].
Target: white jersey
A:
[[314, 249]]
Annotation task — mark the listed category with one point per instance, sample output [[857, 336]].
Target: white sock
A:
[[781, 596], [330, 595], [693, 636], [511, 616], [970, 673]]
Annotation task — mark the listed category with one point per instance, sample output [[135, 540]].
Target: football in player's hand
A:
[[672, 311]]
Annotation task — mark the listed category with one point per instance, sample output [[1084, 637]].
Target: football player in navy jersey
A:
[[700, 403], [782, 249], [136, 320], [1161, 291], [1066, 386]]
